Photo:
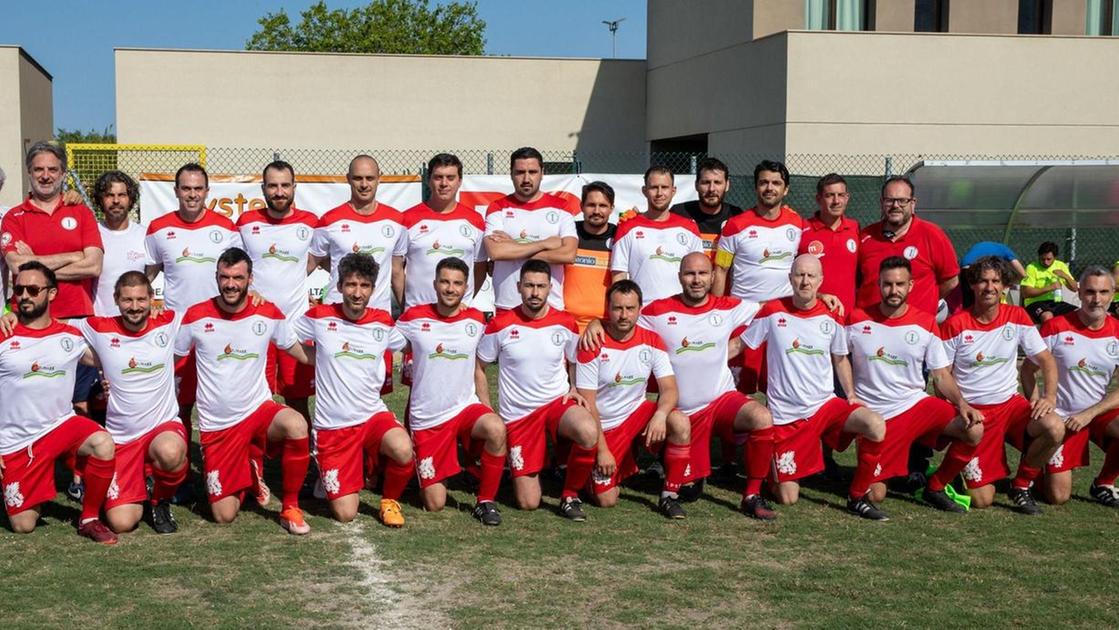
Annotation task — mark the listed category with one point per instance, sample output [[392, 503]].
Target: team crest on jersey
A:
[[557, 339], [787, 463], [715, 319], [552, 217], [426, 468], [790, 235], [985, 361], [259, 328], [1083, 367], [69, 223], [852, 246], [388, 231], [802, 348], [213, 483], [236, 354], [912, 337], [693, 346], [682, 239], [13, 498], [909, 252], [471, 329], [827, 327], [516, 458], [378, 334], [1007, 332], [281, 255], [464, 230], [1112, 348], [5, 239], [330, 481], [645, 357], [161, 339], [451, 354], [353, 352], [216, 236], [303, 232], [67, 344], [43, 371], [141, 367], [887, 358]]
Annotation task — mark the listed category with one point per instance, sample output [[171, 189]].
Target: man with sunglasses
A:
[[38, 366]]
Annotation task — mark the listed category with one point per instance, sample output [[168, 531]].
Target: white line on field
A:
[[393, 609]]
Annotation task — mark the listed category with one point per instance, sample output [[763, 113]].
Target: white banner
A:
[[233, 196]]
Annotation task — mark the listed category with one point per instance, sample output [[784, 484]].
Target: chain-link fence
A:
[[864, 173]]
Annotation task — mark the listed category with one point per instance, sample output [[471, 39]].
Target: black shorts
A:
[[1056, 308]]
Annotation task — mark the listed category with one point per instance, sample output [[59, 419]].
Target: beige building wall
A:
[[894, 16], [927, 94], [26, 116], [323, 101], [1070, 17], [983, 16]]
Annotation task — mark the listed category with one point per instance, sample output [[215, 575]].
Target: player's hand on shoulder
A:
[[832, 303], [256, 299], [593, 336], [8, 323], [23, 249], [71, 197]]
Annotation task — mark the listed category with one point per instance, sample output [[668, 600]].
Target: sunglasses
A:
[[30, 289]]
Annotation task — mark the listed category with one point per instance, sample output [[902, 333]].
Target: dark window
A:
[[931, 16], [1035, 17]]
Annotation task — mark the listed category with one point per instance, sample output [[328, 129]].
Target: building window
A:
[[1102, 17], [838, 15], [1035, 17], [930, 16]]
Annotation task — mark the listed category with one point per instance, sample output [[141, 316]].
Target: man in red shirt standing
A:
[[61, 236]]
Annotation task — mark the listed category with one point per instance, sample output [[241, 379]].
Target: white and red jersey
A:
[[380, 234], [231, 351], [799, 348], [349, 362], [760, 253], [443, 351], [530, 356], [618, 372], [124, 251], [527, 222], [140, 368], [696, 338], [887, 354], [1086, 360], [189, 254], [651, 251], [433, 236], [279, 251], [985, 356], [37, 371]]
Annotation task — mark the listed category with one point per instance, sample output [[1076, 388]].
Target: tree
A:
[[106, 136], [382, 26]]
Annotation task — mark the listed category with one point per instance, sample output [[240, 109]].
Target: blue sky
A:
[[74, 39]]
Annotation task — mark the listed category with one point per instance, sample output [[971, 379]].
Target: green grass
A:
[[626, 566]]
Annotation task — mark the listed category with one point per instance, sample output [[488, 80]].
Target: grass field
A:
[[627, 566]]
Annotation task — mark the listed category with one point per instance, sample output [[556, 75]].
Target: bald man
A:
[[806, 346]]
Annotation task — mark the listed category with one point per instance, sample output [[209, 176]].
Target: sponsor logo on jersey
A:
[[199, 259], [44, 371], [671, 320], [236, 354], [985, 361], [768, 256], [693, 346], [799, 348], [281, 255], [816, 248], [1084, 368], [351, 352], [114, 342], [438, 250], [625, 381], [661, 254], [888, 359], [170, 235], [141, 367], [525, 237], [368, 249], [447, 353]]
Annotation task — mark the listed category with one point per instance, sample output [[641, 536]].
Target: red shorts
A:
[[796, 446], [920, 424], [620, 440], [226, 453], [525, 437], [716, 418], [186, 376], [288, 377], [129, 483], [342, 452], [1073, 452], [754, 375], [436, 455], [1004, 422], [29, 472]]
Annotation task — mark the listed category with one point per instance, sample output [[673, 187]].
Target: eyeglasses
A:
[[901, 201], [30, 289]]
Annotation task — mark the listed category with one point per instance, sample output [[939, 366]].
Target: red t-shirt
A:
[[929, 252], [838, 251], [67, 229]]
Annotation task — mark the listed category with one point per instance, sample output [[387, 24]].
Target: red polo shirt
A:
[[838, 251], [67, 229], [929, 252]]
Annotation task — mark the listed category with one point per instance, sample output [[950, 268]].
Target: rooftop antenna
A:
[[613, 26]]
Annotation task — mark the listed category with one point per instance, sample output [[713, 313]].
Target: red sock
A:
[[1110, 469], [676, 460], [396, 478], [580, 461], [869, 454], [97, 476], [958, 455], [1026, 475], [490, 479], [759, 457], [166, 482], [294, 460]]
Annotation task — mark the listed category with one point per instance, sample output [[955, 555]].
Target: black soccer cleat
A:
[[863, 508], [486, 512], [572, 509], [941, 501], [671, 508], [1023, 501], [162, 520], [1104, 495], [755, 506], [691, 492]]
